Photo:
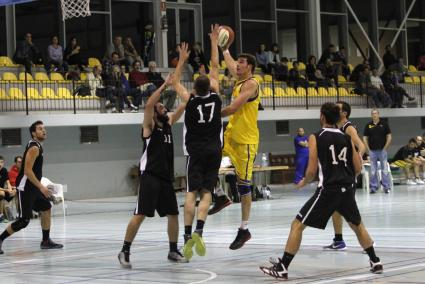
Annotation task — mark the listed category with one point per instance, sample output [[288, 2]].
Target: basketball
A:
[[225, 36]]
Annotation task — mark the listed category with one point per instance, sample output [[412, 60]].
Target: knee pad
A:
[[20, 224], [244, 189]]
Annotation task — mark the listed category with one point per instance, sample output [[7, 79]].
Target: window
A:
[[11, 137], [282, 127], [89, 134]]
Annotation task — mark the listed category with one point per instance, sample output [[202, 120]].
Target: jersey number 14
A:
[[342, 156], [201, 113]]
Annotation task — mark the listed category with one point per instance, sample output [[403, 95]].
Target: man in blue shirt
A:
[[301, 155]]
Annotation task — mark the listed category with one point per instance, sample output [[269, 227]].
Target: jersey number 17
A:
[[200, 108]]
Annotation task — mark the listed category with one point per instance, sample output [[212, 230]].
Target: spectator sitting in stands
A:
[[295, 78], [197, 58], [364, 87], [377, 83], [262, 58], [27, 54], [121, 91], [202, 70], [311, 67], [392, 87], [95, 82], [421, 63], [421, 148], [341, 57], [14, 171], [168, 97], [329, 71], [173, 56], [281, 70], [407, 159], [355, 75], [390, 61], [7, 193], [328, 53], [72, 54], [130, 51], [227, 85], [322, 81], [118, 48], [74, 74], [109, 80], [140, 82], [55, 57], [273, 57]]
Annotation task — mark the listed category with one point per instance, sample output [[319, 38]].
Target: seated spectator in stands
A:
[[328, 53], [72, 54], [27, 53], [376, 80], [329, 71], [74, 74], [273, 57], [355, 75], [109, 79], [95, 81], [389, 59], [108, 64], [14, 171], [311, 67], [262, 58], [421, 62], [407, 159], [168, 97], [341, 57], [118, 48], [227, 84], [322, 81], [281, 70], [140, 82], [55, 57], [122, 91], [173, 56], [397, 93], [202, 70], [420, 146], [7, 193], [295, 78], [130, 51], [197, 58], [364, 87]]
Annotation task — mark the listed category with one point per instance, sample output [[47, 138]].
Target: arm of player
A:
[[183, 56], [175, 116], [30, 157], [230, 63], [357, 163], [214, 58], [248, 91], [366, 143], [150, 107], [388, 142], [352, 132], [311, 171]]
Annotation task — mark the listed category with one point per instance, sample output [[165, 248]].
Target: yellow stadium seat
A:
[[220, 77], [332, 92], [6, 61], [312, 91], [268, 78], [408, 80], [56, 77], [290, 65], [341, 79], [9, 76], [94, 62], [259, 78], [16, 94], [3, 95], [33, 94], [322, 91], [223, 64], [343, 92], [195, 76], [279, 92], [48, 93], [83, 76], [301, 91], [350, 66], [41, 76], [267, 92], [412, 68], [64, 93], [290, 92], [22, 76], [301, 66], [416, 79]]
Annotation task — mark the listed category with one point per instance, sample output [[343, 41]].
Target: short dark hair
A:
[[345, 107], [137, 61], [331, 112], [1, 158], [250, 59], [113, 53], [33, 126], [202, 85], [411, 140], [17, 157]]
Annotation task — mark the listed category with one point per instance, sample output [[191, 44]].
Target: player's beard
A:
[[163, 118]]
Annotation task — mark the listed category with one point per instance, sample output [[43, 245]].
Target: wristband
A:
[[226, 51]]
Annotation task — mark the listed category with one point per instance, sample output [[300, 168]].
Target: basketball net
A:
[[75, 8]]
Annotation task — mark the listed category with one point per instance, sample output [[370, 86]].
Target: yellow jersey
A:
[[242, 127]]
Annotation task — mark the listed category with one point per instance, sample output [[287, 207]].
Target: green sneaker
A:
[[187, 249], [199, 244]]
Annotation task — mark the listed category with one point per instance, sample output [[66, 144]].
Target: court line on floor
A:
[[211, 277]]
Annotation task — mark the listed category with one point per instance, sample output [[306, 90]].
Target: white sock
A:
[[219, 191], [244, 225]]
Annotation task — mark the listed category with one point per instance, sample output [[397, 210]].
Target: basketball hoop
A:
[[75, 8]]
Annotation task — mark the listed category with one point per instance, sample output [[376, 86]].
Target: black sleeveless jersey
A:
[[203, 128], [22, 180], [346, 125], [335, 154], [158, 153]]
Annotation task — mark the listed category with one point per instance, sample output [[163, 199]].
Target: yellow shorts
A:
[[402, 164], [242, 156]]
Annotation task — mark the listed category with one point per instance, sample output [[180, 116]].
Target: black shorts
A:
[[202, 171], [156, 194], [317, 211], [32, 199], [6, 197]]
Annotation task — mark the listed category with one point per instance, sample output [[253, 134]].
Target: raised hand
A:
[[214, 34], [169, 80], [184, 51]]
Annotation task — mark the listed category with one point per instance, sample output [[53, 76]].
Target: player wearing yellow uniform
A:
[[241, 136]]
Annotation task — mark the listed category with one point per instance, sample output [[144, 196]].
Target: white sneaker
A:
[[419, 181], [114, 109], [410, 182]]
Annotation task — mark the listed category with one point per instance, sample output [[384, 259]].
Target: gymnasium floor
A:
[[92, 241]]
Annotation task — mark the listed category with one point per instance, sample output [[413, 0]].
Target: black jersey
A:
[[22, 180], [335, 153], [346, 125], [158, 153], [202, 124]]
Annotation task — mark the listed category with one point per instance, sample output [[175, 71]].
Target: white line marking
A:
[[212, 276]]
